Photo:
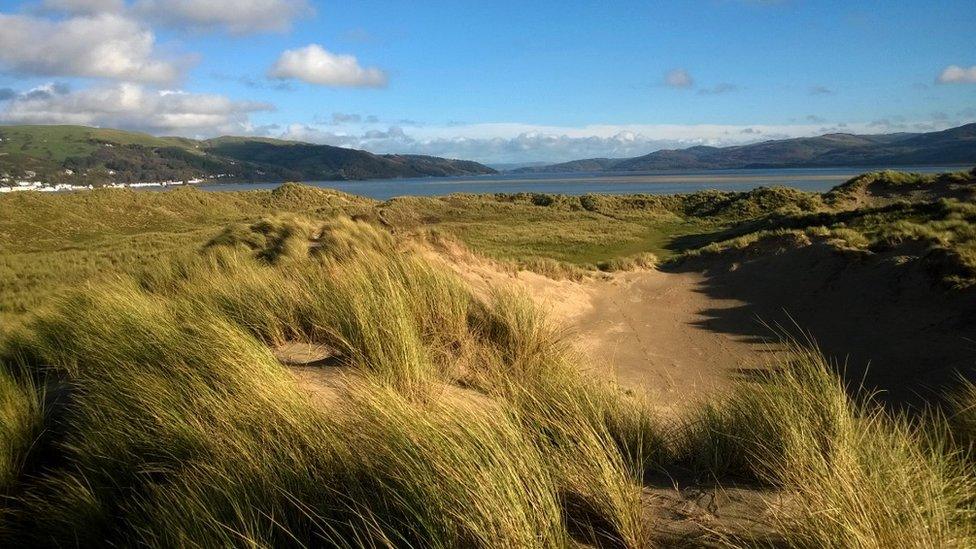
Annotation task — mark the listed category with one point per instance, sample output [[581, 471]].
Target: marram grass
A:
[[458, 421]]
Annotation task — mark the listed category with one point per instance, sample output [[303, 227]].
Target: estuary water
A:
[[659, 182]]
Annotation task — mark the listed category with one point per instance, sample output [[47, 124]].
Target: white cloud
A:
[[83, 6], [315, 65], [235, 16], [101, 46], [132, 106], [678, 78], [954, 74]]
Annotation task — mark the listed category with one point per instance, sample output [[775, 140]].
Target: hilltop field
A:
[[303, 367]]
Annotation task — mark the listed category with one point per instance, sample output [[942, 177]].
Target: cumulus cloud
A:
[[83, 6], [132, 106], [954, 74], [678, 78], [101, 46], [235, 16], [315, 65], [525, 146]]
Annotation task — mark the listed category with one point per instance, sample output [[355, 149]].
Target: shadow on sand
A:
[[883, 320]]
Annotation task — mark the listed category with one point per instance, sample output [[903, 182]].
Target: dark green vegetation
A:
[[952, 146], [932, 217], [149, 409], [80, 155]]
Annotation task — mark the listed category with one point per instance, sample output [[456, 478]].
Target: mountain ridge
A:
[[952, 146], [84, 155]]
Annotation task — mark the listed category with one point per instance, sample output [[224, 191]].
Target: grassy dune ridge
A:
[[51, 242]]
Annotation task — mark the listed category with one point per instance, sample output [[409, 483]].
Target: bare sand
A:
[[646, 329]]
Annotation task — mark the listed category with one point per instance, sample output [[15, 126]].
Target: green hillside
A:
[[81, 155], [58, 143]]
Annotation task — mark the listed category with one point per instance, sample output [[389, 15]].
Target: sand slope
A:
[[646, 329]]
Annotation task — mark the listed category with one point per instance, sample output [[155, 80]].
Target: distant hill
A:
[[77, 154], [952, 146]]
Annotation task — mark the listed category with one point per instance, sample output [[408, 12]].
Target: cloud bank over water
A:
[[522, 143]]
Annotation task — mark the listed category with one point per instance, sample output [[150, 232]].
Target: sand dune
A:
[[643, 328]]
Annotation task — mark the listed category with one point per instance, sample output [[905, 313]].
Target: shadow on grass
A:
[[685, 242]]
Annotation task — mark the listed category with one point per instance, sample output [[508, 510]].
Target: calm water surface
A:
[[661, 182]]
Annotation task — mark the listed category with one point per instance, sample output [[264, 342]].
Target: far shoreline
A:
[[663, 182]]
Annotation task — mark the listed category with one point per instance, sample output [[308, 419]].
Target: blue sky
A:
[[493, 81]]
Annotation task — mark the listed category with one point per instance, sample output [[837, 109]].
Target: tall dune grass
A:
[[962, 417], [184, 430], [458, 422], [21, 420], [856, 475]]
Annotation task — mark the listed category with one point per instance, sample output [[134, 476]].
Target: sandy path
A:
[[647, 329]]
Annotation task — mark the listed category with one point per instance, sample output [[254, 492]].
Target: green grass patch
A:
[[57, 143], [521, 230]]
